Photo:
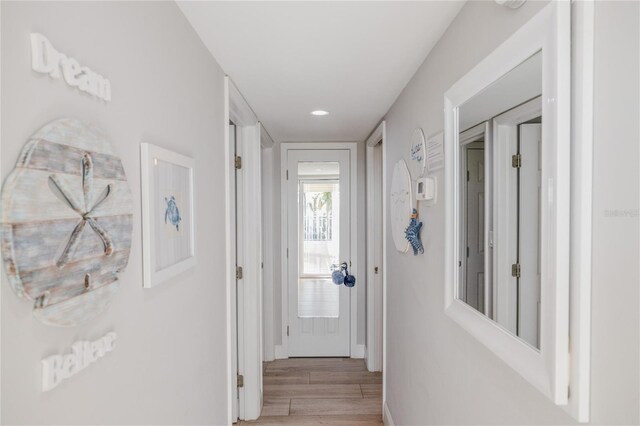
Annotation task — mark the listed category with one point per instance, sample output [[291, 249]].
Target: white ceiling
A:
[[351, 58]]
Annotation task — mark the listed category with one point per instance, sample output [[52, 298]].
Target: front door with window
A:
[[318, 241]]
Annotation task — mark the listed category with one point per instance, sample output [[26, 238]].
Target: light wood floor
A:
[[320, 391]]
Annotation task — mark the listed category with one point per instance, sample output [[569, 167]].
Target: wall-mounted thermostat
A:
[[426, 189]]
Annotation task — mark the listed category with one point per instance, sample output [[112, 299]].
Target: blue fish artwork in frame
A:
[[172, 213]]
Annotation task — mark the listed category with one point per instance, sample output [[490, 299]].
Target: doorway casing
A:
[[247, 348], [357, 351], [376, 231]]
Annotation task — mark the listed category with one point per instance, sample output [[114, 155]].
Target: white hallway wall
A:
[[615, 344], [169, 365], [436, 372]]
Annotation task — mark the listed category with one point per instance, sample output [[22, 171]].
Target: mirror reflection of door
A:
[[529, 144], [318, 239], [474, 201], [500, 175]]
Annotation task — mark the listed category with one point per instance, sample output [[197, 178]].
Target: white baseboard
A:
[[281, 352], [370, 367], [268, 357], [371, 363], [358, 351], [386, 415], [268, 351]]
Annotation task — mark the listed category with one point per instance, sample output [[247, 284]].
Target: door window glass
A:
[[319, 231]]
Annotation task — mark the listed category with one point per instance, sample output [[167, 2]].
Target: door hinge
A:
[[240, 381], [515, 270], [468, 175], [287, 174], [287, 252], [375, 270], [516, 161], [287, 331], [238, 162], [239, 272]]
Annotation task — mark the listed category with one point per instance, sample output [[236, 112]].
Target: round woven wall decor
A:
[[66, 223]]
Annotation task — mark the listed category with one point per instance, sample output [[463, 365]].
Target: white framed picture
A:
[[168, 225]]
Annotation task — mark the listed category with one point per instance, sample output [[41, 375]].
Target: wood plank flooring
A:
[[320, 391]]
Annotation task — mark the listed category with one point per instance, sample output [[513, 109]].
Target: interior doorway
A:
[[318, 234], [243, 234], [375, 250], [318, 194], [473, 291]]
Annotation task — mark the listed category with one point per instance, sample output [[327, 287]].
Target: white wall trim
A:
[[268, 258], [377, 135], [373, 355], [582, 206], [282, 351], [386, 415], [384, 264], [251, 360], [266, 141], [229, 182], [250, 324], [358, 351], [239, 110]]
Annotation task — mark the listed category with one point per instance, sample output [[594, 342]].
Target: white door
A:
[[529, 233], [374, 247], [474, 284], [318, 237], [236, 314]]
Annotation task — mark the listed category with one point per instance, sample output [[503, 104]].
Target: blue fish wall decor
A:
[[412, 233]]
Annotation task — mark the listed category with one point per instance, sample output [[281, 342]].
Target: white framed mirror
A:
[[507, 186]]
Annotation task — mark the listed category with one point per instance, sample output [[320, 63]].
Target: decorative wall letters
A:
[[66, 222], [57, 368], [47, 60]]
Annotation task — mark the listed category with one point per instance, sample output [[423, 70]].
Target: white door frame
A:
[[249, 332], [268, 258], [484, 131], [583, 23], [374, 314], [282, 351], [233, 296]]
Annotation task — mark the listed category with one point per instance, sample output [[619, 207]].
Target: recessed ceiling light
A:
[[319, 112]]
